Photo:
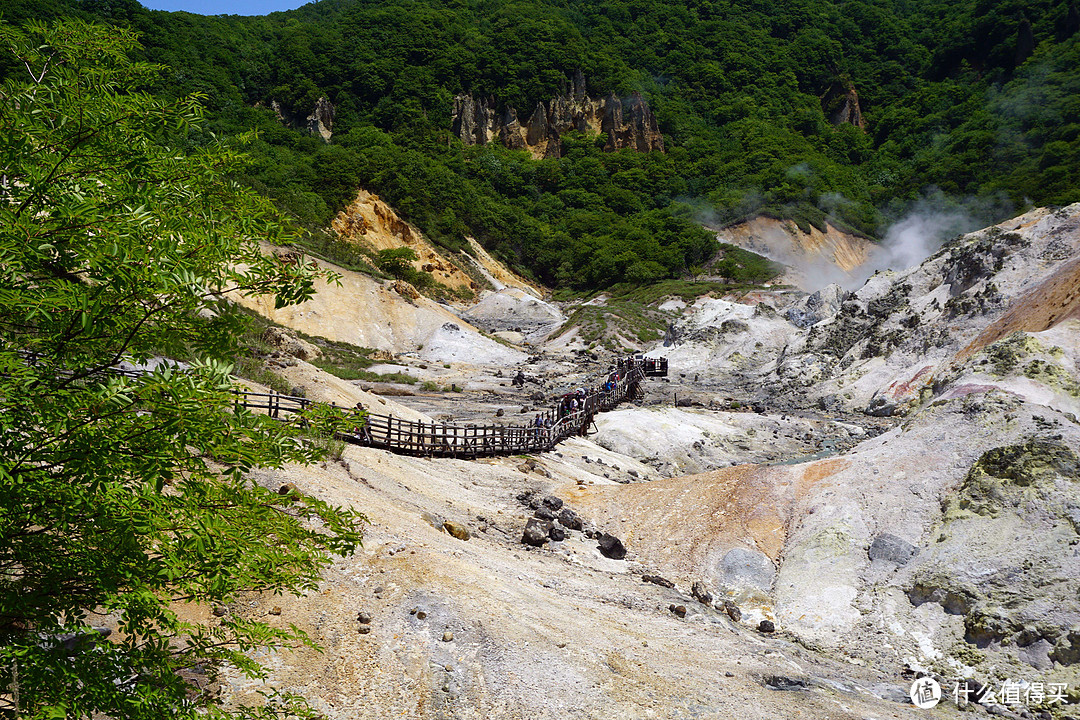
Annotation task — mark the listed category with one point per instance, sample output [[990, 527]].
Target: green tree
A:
[[123, 499]]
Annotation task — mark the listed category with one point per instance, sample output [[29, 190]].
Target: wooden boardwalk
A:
[[572, 416]]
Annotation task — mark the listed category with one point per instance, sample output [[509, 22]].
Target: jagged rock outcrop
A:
[[320, 121], [628, 123], [840, 103]]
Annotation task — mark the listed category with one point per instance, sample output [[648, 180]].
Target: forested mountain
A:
[[977, 99]]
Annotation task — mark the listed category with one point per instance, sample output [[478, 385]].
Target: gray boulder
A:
[[814, 308], [536, 532], [893, 549], [611, 547], [742, 567]]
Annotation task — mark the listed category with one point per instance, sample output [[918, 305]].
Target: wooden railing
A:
[[408, 437]]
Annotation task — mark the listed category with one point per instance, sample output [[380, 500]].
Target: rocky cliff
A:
[[840, 103], [812, 258], [370, 222], [320, 121], [628, 123]]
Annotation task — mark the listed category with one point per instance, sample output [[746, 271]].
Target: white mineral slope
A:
[[321, 386], [459, 342], [387, 316], [994, 560], [681, 441], [719, 336], [486, 628], [513, 309], [902, 336]]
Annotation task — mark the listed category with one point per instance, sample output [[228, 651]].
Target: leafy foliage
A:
[[128, 498], [972, 97]]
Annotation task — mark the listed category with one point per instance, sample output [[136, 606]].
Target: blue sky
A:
[[225, 7]]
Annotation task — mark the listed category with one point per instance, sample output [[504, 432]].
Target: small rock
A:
[[276, 610], [611, 547], [892, 549], [379, 590], [500, 412], [288, 489], [556, 533], [536, 532], [766, 626], [570, 519], [363, 617], [552, 502], [700, 593], [544, 513], [729, 674], [657, 580], [456, 529], [220, 611], [431, 519], [420, 615], [363, 629], [732, 610], [632, 473], [447, 636], [679, 610]]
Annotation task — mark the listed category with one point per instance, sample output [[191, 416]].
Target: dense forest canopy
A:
[[976, 100]]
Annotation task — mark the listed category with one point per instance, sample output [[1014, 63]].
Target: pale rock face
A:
[[957, 528], [813, 259], [946, 540], [628, 124]]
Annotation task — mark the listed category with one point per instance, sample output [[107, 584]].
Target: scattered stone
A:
[[552, 502], [766, 626], [632, 473], [570, 519], [221, 611], [363, 629], [433, 520], [729, 674], [679, 610], [456, 529], [611, 547], [421, 615], [700, 593], [557, 533], [276, 610], [893, 549], [732, 610], [379, 590], [500, 412], [657, 580], [288, 489], [544, 513], [363, 617], [447, 636], [782, 682], [536, 532]]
